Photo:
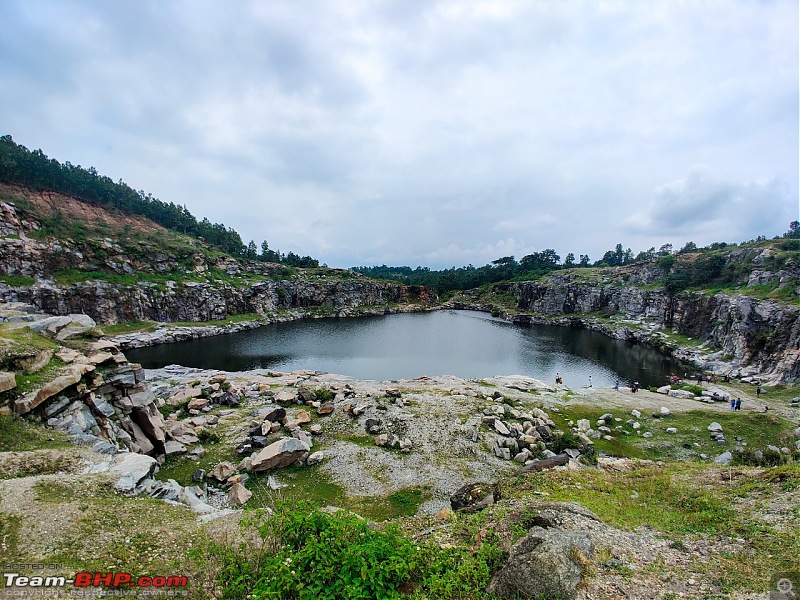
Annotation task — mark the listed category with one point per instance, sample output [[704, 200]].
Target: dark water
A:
[[462, 343]]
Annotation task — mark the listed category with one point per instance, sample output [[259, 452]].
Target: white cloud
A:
[[419, 132]]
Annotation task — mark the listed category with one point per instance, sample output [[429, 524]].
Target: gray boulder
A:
[[132, 468], [546, 563], [279, 454], [724, 459]]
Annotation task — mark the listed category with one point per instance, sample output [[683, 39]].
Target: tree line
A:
[[708, 268], [34, 170]]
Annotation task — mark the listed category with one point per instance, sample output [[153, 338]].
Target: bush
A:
[[308, 554], [695, 389], [324, 395], [311, 554]]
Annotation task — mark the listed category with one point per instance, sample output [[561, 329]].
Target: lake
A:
[[466, 344]]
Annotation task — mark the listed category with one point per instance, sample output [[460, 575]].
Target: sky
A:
[[434, 133]]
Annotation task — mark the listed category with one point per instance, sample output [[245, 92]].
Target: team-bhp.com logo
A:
[[86, 580]]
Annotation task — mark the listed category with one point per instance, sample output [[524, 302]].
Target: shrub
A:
[[695, 389], [311, 554], [308, 554], [324, 395]]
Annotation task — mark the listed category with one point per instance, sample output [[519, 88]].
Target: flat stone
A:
[[278, 454]]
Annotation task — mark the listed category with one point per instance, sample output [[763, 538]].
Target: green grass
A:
[[757, 430], [780, 392], [9, 537], [17, 280], [16, 342], [310, 484], [129, 327], [18, 435]]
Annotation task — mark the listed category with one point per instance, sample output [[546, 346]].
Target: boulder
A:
[[685, 394], [222, 471], [275, 415], [315, 458], [325, 408], [238, 494], [8, 381], [724, 459], [173, 447], [279, 454], [131, 468], [715, 427], [672, 430], [664, 389], [151, 423], [71, 376], [665, 412], [285, 397], [546, 563]]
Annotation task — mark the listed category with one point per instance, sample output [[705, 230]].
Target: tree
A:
[[794, 230], [584, 263], [687, 248], [665, 249], [569, 261]]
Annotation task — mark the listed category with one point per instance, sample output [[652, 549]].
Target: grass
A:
[[27, 382], [756, 429], [19, 435], [310, 484], [680, 500], [18, 342], [150, 326], [783, 391], [17, 280], [109, 532]]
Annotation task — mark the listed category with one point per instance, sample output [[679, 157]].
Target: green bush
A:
[[324, 395], [695, 389], [311, 554], [308, 554]]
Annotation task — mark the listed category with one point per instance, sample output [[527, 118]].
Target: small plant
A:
[[206, 436], [324, 395]]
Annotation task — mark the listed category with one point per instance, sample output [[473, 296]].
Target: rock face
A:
[[97, 397], [192, 301], [761, 333]]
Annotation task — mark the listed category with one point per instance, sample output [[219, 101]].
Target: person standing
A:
[[733, 404], [738, 404]]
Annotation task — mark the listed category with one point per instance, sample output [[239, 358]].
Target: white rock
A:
[[665, 411], [672, 430]]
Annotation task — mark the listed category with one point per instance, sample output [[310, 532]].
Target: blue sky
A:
[[434, 133]]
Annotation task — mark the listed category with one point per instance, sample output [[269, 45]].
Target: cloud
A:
[[455, 255], [406, 132], [702, 204]]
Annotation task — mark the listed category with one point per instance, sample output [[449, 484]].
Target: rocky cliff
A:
[[192, 301], [763, 335]]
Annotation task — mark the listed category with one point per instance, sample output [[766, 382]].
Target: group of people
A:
[[736, 404]]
